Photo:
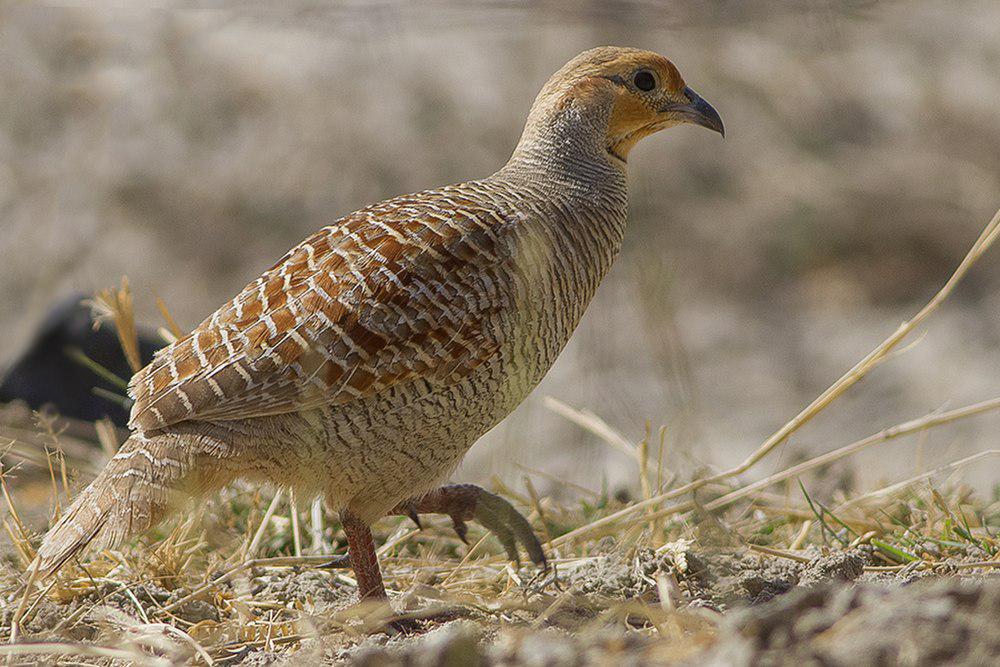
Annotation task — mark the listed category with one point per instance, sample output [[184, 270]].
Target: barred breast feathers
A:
[[403, 289]]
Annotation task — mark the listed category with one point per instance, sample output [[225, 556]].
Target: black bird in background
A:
[[51, 373]]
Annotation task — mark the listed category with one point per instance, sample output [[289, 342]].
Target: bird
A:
[[363, 365]]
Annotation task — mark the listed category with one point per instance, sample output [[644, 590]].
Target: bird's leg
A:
[[361, 549], [463, 502], [362, 558]]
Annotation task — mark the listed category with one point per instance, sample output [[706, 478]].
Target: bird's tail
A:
[[131, 494]]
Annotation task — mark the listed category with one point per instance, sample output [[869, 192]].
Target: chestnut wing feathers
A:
[[399, 291]]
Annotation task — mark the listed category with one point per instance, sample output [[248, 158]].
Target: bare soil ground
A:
[[908, 581], [931, 621]]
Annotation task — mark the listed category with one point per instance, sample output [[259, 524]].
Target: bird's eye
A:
[[644, 80]]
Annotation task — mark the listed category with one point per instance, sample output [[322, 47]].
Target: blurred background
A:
[[189, 148]]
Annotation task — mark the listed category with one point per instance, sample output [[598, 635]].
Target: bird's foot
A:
[[464, 502], [401, 624], [337, 562]]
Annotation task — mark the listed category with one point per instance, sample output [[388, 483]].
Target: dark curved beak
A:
[[698, 112]]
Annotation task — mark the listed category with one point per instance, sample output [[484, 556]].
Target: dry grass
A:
[[189, 595], [226, 579]]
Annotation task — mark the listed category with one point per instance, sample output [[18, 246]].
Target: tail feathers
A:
[[127, 497]]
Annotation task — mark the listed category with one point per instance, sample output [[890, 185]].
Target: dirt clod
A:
[[840, 566], [314, 588], [927, 623]]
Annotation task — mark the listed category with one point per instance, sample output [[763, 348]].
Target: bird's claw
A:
[[415, 518], [338, 562], [510, 527], [460, 528], [404, 625]]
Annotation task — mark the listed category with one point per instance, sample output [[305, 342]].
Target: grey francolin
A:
[[364, 364]]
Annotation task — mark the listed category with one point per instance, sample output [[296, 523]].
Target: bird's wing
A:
[[393, 293]]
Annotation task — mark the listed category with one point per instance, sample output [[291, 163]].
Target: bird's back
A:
[[425, 287]]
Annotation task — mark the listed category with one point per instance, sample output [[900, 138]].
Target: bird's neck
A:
[[566, 148], [578, 193]]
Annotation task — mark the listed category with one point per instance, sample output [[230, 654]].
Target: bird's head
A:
[[617, 96]]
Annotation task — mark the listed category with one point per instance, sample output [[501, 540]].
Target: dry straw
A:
[[837, 389], [116, 305]]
